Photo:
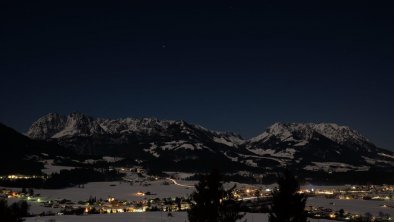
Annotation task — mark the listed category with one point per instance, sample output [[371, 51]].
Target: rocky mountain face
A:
[[170, 143], [180, 145], [54, 126], [324, 146], [57, 126]]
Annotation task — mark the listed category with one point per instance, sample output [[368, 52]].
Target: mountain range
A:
[[178, 145]]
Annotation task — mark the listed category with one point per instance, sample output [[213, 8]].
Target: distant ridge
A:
[[309, 147]]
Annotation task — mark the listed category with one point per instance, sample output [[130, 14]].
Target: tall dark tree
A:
[[14, 212], [288, 205], [230, 208], [212, 203]]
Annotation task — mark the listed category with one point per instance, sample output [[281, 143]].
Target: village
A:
[[253, 198]]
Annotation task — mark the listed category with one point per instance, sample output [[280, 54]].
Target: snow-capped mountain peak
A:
[[47, 126], [309, 146], [79, 124], [305, 131], [56, 126]]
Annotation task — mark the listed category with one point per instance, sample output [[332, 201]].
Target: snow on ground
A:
[[152, 149], [51, 168], [140, 217], [250, 163], [353, 206], [174, 145], [334, 166], [375, 161], [386, 155], [125, 191], [234, 159], [262, 152], [302, 143], [223, 141], [286, 153], [35, 208], [109, 159], [179, 175], [112, 159], [280, 161], [118, 190]]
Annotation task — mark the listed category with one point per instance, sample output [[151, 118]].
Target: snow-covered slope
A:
[[311, 145], [285, 131], [305, 131], [146, 138], [53, 126], [47, 126], [307, 146]]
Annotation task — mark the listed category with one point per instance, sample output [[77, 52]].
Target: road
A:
[[178, 184]]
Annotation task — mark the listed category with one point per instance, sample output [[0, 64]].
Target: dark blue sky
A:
[[227, 66]]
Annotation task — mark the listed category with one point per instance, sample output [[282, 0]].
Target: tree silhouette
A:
[[212, 203], [341, 213], [287, 204], [230, 207], [14, 212], [368, 216]]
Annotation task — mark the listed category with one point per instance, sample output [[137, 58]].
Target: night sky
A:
[[232, 66]]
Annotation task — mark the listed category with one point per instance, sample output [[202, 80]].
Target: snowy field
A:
[[50, 168], [35, 208], [125, 191], [140, 217], [119, 190], [353, 206]]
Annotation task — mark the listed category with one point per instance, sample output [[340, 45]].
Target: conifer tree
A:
[[287, 204], [212, 202]]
